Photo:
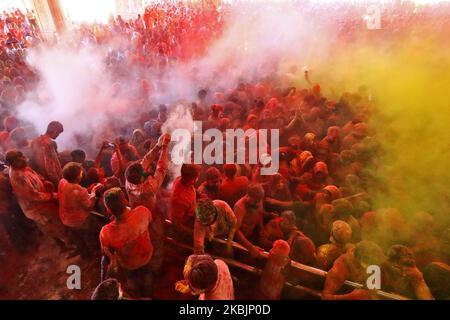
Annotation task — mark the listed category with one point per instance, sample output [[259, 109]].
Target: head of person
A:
[[314, 114], [122, 143], [206, 212], [115, 202], [320, 171], [341, 233], [202, 94], [278, 183], [307, 160], [267, 114], [347, 156], [288, 221], [255, 195], [252, 121], [10, 123], [189, 174], [216, 110], [19, 137], [213, 176], [230, 170], [16, 159], [138, 137], [54, 129], [201, 273], [135, 173], [94, 175], [401, 256], [333, 133], [107, 290], [73, 172], [352, 181], [360, 130], [368, 253], [78, 156], [332, 192], [152, 128], [309, 139], [342, 208], [279, 254]]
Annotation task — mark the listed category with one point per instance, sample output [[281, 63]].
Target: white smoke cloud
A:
[[76, 89]]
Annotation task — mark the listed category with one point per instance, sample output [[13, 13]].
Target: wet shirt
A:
[[30, 192], [232, 190], [75, 204], [6, 198], [46, 159], [128, 239], [223, 289], [182, 201], [144, 194]]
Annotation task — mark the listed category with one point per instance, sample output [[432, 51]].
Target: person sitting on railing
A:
[[214, 219], [281, 227], [273, 277], [249, 212], [402, 276], [353, 266], [340, 242]]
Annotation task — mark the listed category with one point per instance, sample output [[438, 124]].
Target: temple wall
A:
[[49, 16]]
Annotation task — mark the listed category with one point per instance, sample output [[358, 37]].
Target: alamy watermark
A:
[[373, 282], [74, 280], [235, 146]]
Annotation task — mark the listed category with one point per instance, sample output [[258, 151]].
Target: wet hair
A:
[[55, 126], [255, 190], [203, 274], [134, 173], [71, 171], [212, 173], [11, 156], [206, 212], [189, 171], [107, 290], [93, 175], [202, 94], [114, 201], [230, 170], [78, 155], [369, 252], [397, 252]]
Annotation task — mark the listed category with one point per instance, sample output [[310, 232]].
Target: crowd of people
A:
[[316, 211]]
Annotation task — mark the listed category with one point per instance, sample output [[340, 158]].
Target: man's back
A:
[[232, 190], [45, 158], [129, 238]]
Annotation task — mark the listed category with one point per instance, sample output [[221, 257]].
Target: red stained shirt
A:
[[129, 238], [232, 190], [46, 158], [74, 204], [223, 289], [182, 201]]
